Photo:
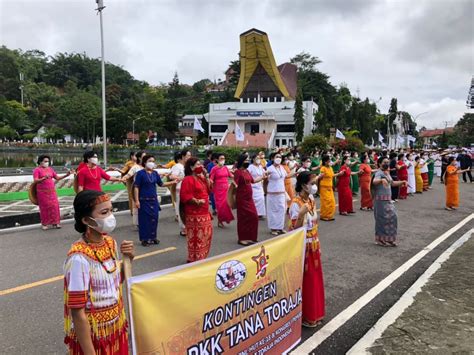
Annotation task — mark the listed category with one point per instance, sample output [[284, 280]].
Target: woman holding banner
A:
[[303, 212], [194, 210], [94, 318]]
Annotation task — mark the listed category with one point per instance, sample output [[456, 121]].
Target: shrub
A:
[[316, 141], [352, 144]]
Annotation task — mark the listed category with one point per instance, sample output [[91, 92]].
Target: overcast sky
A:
[[421, 52]]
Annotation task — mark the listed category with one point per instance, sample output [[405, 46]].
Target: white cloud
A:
[[438, 114], [409, 50]]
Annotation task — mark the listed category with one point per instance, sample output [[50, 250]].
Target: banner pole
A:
[[127, 273]]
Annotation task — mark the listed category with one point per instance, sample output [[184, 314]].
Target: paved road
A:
[[31, 319], [448, 299]]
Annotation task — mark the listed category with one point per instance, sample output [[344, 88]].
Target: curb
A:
[[32, 220]]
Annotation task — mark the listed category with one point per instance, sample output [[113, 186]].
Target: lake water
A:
[[28, 159]]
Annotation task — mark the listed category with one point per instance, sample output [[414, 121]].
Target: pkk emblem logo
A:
[[262, 262], [230, 275]]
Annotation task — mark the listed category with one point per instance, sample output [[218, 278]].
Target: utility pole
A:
[[100, 7]]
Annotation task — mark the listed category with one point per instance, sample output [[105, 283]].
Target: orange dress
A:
[[289, 188], [364, 180], [452, 187]]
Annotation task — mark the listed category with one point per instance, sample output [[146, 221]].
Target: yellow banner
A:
[[244, 302]]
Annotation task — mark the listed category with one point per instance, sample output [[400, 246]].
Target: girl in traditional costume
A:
[[94, 317], [303, 213]]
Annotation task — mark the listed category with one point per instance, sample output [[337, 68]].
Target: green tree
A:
[[55, 132], [200, 86], [299, 117], [341, 106], [305, 62], [464, 129], [79, 115], [321, 122], [13, 114], [6, 132], [9, 75]]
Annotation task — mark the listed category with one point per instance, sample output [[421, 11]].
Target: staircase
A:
[[250, 140]]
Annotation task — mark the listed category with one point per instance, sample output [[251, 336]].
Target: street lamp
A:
[[133, 128], [100, 7]]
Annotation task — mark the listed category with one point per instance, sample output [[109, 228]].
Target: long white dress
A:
[[178, 171], [276, 197], [411, 177], [257, 189]]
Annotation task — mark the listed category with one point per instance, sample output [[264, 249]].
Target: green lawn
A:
[[23, 195]]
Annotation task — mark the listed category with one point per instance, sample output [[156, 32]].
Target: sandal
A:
[[246, 243], [220, 224], [275, 233], [381, 244], [391, 244], [310, 325], [57, 226], [145, 243], [182, 234], [45, 228], [154, 241]]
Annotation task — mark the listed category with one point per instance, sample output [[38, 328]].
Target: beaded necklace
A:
[[99, 259]]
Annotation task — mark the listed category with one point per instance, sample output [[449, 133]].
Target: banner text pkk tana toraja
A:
[[244, 302]]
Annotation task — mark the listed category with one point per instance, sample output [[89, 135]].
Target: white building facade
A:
[[270, 122]]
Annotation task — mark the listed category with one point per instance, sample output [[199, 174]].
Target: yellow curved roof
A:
[[254, 49]]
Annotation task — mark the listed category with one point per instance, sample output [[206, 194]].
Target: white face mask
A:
[[313, 189], [221, 162], [258, 161], [307, 164], [45, 164], [277, 161], [292, 158], [94, 161], [105, 225], [150, 165]]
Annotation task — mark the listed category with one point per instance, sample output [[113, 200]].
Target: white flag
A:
[[384, 145], [434, 144], [372, 145], [381, 139], [239, 136], [400, 139], [411, 138], [339, 134], [197, 125]]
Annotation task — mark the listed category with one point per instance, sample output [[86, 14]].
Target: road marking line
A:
[[12, 204], [117, 195], [334, 324], [60, 277], [405, 301]]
